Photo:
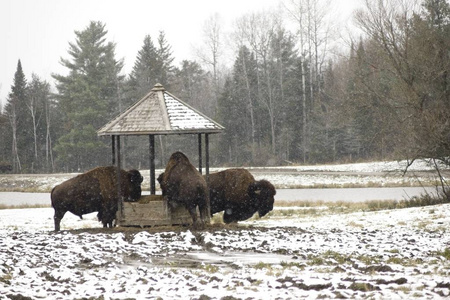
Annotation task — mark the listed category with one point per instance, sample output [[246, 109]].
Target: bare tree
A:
[[388, 23], [415, 44], [12, 117], [33, 108], [241, 41], [313, 30], [48, 137], [213, 43], [259, 30], [298, 12]]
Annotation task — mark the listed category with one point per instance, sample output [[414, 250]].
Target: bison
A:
[[181, 183], [95, 190], [239, 195]]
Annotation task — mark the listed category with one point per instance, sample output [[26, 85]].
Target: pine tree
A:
[[5, 137], [142, 77], [153, 65], [165, 59], [19, 120], [193, 85], [88, 97], [237, 110]]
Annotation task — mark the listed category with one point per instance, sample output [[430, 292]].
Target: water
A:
[[17, 199], [327, 195], [227, 259], [352, 194]]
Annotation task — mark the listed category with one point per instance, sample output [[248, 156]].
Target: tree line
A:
[[286, 98]]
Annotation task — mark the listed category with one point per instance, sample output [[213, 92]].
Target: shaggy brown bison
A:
[[95, 190], [239, 195], [182, 184]]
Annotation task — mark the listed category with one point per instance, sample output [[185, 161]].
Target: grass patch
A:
[[444, 253], [406, 262], [369, 260], [287, 265], [403, 289], [329, 258], [262, 265], [423, 200], [210, 268], [295, 212], [363, 287], [301, 207], [393, 251], [355, 225]]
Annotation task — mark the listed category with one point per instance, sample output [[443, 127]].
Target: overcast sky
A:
[[38, 32]]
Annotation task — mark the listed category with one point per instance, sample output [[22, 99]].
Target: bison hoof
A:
[[199, 226]]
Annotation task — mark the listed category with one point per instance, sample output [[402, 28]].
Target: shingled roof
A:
[[160, 112]]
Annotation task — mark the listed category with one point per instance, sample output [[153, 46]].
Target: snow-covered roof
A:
[[160, 112]]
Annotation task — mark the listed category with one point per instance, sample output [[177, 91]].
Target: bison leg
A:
[[231, 215], [107, 216], [57, 218], [108, 223], [228, 217], [198, 224], [203, 213]]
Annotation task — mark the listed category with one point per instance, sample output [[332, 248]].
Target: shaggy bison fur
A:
[[239, 195], [95, 190], [181, 183]]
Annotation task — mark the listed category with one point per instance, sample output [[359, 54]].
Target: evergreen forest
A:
[[288, 96]]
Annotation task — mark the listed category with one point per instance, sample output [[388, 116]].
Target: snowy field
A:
[[292, 253], [396, 254]]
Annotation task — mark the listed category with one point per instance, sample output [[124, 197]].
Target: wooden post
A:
[[152, 164], [208, 205], [119, 194], [113, 142], [118, 152], [207, 156], [200, 153]]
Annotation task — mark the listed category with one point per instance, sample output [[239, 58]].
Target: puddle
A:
[[197, 259]]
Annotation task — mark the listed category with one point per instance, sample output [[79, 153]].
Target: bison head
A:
[[178, 157], [161, 183], [264, 192], [135, 179]]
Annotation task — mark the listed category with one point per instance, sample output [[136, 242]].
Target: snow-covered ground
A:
[[374, 174], [288, 254], [371, 174], [395, 254], [366, 167]]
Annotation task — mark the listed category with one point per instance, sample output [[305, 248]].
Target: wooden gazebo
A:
[[160, 113]]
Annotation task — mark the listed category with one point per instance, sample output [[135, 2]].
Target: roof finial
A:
[[158, 87]]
